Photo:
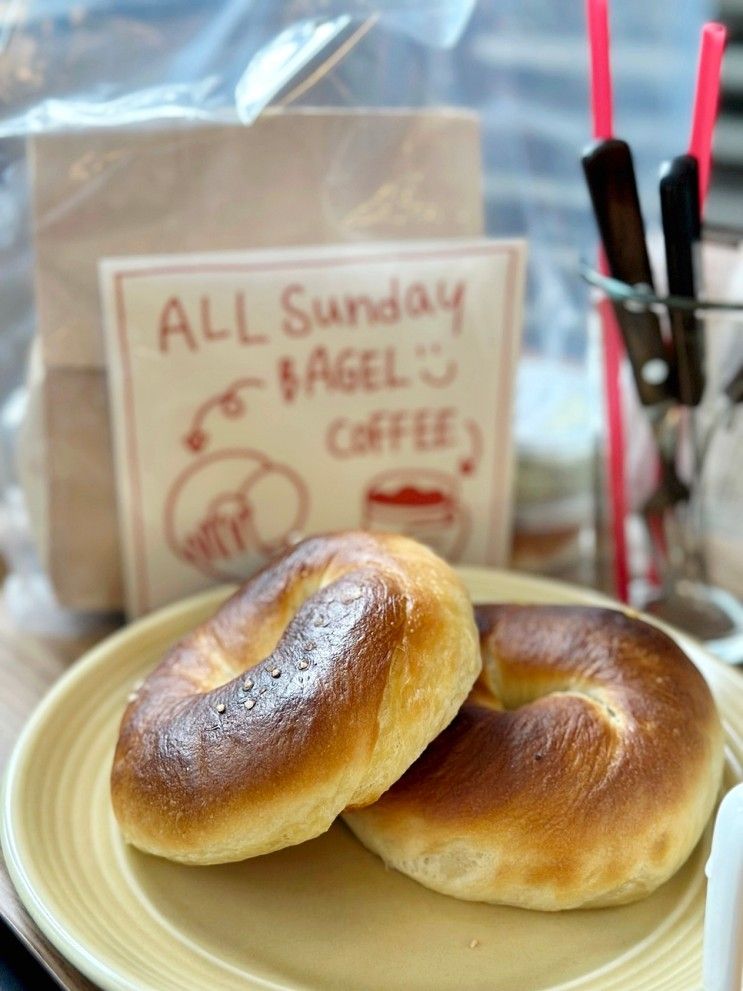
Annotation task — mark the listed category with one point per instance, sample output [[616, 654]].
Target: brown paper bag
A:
[[297, 178]]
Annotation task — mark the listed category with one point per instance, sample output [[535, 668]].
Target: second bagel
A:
[[580, 772]]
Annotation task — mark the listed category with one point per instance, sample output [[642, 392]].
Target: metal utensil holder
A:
[[674, 516]]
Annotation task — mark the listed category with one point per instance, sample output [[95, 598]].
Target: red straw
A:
[[601, 94], [706, 100], [613, 358], [603, 127]]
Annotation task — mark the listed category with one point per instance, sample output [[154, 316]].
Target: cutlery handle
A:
[[610, 176], [723, 920], [679, 200], [734, 388]]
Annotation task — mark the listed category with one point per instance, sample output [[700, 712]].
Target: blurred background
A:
[[521, 65], [725, 210]]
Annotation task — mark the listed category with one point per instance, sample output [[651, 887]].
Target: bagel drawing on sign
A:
[[233, 507]]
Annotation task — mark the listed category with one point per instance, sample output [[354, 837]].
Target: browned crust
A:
[[589, 738], [644, 737], [316, 634]]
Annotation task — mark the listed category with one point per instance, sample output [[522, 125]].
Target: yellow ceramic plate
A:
[[324, 915]]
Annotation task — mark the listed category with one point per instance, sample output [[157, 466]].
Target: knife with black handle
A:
[[681, 215], [610, 176]]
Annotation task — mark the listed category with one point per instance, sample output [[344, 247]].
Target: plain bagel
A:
[[580, 772], [313, 688]]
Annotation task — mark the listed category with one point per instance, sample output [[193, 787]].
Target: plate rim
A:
[[71, 948]]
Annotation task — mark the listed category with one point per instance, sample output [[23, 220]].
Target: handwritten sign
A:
[[257, 397]]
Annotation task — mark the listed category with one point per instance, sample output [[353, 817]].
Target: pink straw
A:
[[601, 93], [706, 101], [613, 358], [602, 112]]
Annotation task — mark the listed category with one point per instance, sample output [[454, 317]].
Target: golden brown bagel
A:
[[313, 688], [580, 772]]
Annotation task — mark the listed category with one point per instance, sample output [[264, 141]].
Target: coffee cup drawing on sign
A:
[[233, 508], [422, 503]]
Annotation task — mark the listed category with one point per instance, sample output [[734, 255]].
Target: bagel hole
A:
[[265, 640], [510, 693]]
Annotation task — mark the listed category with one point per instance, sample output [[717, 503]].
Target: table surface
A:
[[29, 665]]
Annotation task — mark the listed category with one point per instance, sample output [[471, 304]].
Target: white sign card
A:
[[260, 396]]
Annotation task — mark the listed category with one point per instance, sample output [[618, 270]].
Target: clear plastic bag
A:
[[148, 67]]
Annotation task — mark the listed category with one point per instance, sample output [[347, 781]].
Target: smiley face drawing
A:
[[232, 510], [434, 369]]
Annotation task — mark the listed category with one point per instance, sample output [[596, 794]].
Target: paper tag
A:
[[260, 396]]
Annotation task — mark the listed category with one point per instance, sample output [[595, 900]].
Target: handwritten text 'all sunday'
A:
[[192, 325]]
